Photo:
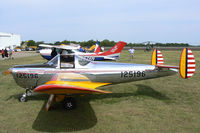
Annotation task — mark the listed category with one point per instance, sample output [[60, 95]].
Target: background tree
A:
[[39, 42], [105, 43], [22, 43], [88, 43], [31, 43], [57, 43]]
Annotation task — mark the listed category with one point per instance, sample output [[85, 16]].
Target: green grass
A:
[[168, 104]]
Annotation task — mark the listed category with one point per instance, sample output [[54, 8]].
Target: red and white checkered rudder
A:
[[187, 63], [157, 58]]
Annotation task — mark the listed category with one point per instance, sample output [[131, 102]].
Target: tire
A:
[[22, 99], [28, 93], [69, 103]]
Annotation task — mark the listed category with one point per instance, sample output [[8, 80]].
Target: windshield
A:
[[54, 62], [66, 51], [84, 60]]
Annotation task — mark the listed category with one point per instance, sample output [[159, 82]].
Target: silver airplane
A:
[[66, 75]]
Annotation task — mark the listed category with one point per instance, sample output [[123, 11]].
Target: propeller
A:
[[9, 71]]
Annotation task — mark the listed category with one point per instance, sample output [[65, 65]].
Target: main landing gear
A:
[[69, 103], [23, 97]]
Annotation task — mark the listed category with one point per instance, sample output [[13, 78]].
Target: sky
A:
[[165, 21]]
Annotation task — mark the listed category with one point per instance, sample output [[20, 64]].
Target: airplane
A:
[[68, 75], [112, 54], [46, 52], [93, 47]]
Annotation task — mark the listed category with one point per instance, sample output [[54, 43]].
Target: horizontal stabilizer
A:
[[157, 58], [187, 63], [164, 66]]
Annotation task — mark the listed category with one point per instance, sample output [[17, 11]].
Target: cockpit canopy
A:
[[69, 61]]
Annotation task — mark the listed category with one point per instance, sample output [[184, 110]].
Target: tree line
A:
[[105, 43]]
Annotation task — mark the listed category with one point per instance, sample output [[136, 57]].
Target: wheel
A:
[[69, 103], [28, 93], [22, 98]]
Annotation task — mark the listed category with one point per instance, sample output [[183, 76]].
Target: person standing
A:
[[2, 53], [10, 53], [6, 53], [53, 53], [81, 49], [131, 51]]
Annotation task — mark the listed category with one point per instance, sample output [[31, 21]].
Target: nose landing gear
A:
[[23, 97], [69, 103]]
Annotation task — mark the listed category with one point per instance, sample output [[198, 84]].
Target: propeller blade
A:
[[8, 72]]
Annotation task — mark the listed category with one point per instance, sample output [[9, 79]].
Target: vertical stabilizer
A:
[[115, 49], [187, 63], [157, 58]]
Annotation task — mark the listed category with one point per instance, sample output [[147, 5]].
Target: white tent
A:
[[9, 40]]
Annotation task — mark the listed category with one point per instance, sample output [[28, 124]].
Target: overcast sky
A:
[[82, 20]]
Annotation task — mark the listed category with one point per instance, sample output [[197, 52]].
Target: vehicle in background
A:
[[17, 50]]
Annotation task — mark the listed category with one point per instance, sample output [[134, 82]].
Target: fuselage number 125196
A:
[[126, 74]]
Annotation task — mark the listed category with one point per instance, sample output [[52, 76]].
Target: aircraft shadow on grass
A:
[[60, 120], [142, 90], [148, 91], [83, 117]]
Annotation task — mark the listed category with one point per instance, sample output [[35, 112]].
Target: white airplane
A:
[[112, 54]]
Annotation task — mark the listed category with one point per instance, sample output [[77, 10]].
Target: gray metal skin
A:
[[31, 76]]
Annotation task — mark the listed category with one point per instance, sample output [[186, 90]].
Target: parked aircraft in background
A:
[[47, 49], [112, 54], [69, 74]]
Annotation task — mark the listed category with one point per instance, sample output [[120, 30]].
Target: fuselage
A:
[[31, 76]]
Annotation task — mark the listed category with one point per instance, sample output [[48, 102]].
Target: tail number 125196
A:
[[126, 74]]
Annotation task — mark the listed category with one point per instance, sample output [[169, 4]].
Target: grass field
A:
[[166, 105]]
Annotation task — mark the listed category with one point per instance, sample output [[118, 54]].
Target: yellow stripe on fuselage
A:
[[183, 64], [83, 84]]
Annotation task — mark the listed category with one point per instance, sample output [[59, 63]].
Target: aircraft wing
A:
[[109, 58], [71, 87], [46, 46], [61, 84], [59, 46]]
